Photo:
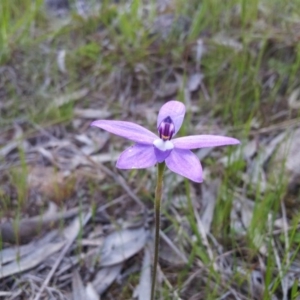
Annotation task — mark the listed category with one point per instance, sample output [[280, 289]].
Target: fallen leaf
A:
[[200, 50], [105, 157], [287, 156], [223, 40], [72, 230], [91, 113], [256, 173], [209, 199], [8, 148], [194, 82], [168, 251], [167, 89], [246, 151], [257, 285], [241, 219], [61, 60], [93, 142], [105, 277], [91, 293], [294, 99], [32, 260], [143, 290], [15, 252], [78, 289], [26, 229], [169, 24], [64, 99], [15, 141], [120, 245]]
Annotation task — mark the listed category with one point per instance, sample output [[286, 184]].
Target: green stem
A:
[[158, 194]]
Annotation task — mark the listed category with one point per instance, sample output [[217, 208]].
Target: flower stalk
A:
[[158, 196]]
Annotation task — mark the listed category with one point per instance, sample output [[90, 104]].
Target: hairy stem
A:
[[158, 194]]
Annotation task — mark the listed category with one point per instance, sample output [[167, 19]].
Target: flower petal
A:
[[185, 163], [128, 130], [203, 141], [138, 156], [173, 109], [162, 149], [161, 155]]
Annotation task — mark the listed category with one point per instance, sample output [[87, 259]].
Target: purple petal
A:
[[173, 109], [161, 155], [203, 141], [128, 130], [185, 163], [138, 156]]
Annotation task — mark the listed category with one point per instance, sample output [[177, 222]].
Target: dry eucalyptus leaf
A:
[[16, 141], [163, 6], [241, 218], [32, 260], [223, 40], [167, 89], [73, 229], [64, 99], [273, 145], [84, 139], [256, 172], [246, 151], [147, 113], [91, 293], [26, 229], [120, 245], [105, 157], [92, 142], [287, 156], [200, 50], [209, 198], [194, 82], [11, 253], [143, 290], [8, 148], [169, 24], [236, 223], [14, 252], [294, 99], [257, 285], [81, 292], [105, 277], [241, 213], [61, 62], [91, 113], [169, 252], [247, 208], [78, 289], [12, 295], [172, 181], [281, 223]]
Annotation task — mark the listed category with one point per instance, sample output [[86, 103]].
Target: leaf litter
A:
[[58, 158], [121, 245], [143, 290]]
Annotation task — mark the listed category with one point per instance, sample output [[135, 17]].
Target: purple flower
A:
[[150, 149]]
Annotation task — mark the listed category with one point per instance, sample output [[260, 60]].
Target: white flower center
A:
[[163, 145]]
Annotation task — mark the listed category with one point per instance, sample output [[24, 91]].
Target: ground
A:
[[75, 227]]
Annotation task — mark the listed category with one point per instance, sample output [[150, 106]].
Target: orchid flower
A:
[[150, 149]]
